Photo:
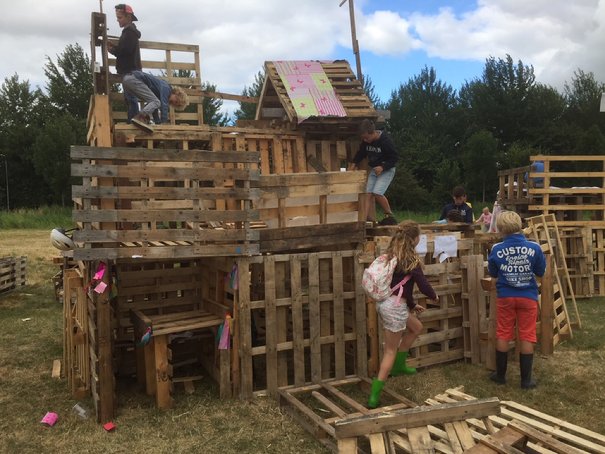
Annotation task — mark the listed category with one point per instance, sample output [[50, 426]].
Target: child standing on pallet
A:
[[401, 326], [515, 262]]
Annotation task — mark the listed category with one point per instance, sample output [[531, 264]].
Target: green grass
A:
[[40, 218]]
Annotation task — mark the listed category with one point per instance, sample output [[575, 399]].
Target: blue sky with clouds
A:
[[397, 38]]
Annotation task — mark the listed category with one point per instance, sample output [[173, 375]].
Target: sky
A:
[[397, 38]]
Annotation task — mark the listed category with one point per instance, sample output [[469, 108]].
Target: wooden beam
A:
[[228, 96], [416, 417]]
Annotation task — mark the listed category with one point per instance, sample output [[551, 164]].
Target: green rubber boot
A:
[[374, 399], [399, 367]]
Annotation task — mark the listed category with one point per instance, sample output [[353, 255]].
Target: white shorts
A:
[[394, 316]]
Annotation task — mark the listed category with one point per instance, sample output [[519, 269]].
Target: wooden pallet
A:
[[578, 253], [12, 273], [451, 422], [545, 232]]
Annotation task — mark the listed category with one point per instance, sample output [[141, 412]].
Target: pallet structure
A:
[[571, 189], [13, 273], [194, 232], [450, 422]]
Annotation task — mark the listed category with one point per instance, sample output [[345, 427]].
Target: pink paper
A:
[[50, 419], [109, 426], [100, 288], [223, 343], [100, 272]]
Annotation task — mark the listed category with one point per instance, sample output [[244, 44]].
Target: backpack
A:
[[377, 278]]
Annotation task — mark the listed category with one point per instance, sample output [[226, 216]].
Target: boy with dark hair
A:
[[382, 156], [514, 262], [459, 196]]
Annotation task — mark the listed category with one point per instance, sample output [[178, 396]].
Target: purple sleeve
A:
[[422, 283]]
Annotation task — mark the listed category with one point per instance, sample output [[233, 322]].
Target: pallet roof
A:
[[276, 104]]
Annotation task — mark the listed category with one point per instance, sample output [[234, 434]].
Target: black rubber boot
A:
[[499, 376], [526, 362]]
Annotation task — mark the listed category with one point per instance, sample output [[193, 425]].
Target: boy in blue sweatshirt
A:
[[515, 262]]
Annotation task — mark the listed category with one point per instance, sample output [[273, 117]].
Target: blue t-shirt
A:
[[514, 262]]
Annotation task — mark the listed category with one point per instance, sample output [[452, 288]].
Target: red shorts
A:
[[522, 310]]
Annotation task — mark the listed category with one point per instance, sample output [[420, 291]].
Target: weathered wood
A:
[[416, 417]]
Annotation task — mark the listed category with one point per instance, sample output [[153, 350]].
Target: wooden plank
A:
[[244, 325], [420, 440], [544, 440], [105, 353], [142, 157], [416, 417], [297, 320], [56, 370], [314, 318], [270, 320], [163, 373], [339, 312], [377, 444], [347, 446]]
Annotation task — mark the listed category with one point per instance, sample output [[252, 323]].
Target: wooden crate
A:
[[577, 248], [13, 273], [573, 189], [598, 251], [163, 204], [302, 318]]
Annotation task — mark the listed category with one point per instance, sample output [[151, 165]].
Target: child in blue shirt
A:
[[515, 262]]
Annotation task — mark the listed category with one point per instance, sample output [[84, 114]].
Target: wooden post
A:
[[546, 308], [105, 352]]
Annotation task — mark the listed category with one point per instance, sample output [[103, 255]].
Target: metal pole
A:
[[354, 38]]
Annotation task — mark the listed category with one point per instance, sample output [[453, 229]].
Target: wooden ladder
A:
[[545, 231]]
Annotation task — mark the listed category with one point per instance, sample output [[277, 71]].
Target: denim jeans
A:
[[135, 88]]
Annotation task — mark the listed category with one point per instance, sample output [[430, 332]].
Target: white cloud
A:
[[386, 33], [237, 36], [556, 37]]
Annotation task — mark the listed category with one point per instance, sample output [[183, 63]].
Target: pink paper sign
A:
[[50, 419], [109, 426], [100, 288]]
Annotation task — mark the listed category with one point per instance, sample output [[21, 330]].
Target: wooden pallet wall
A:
[[598, 251], [164, 203], [301, 319], [13, 273], [577, 250]]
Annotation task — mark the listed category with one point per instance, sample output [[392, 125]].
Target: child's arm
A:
[[423, 284]]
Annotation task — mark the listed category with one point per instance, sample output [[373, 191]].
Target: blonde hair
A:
[[403, 246], [508, 222], [182, 100]]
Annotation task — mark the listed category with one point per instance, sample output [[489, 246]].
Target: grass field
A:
[[571, 385]]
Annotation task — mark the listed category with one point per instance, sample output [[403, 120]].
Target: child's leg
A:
[[412, 331], [391, 342]]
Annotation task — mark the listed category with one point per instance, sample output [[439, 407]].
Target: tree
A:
[[69, 83], [51, 154], [425, 125], [480, 164], [21, 114], [370, 91], [212, 108], [247, 110], [497, 101], [583, 95]]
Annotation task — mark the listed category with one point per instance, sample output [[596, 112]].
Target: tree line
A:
[[444, 137]]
